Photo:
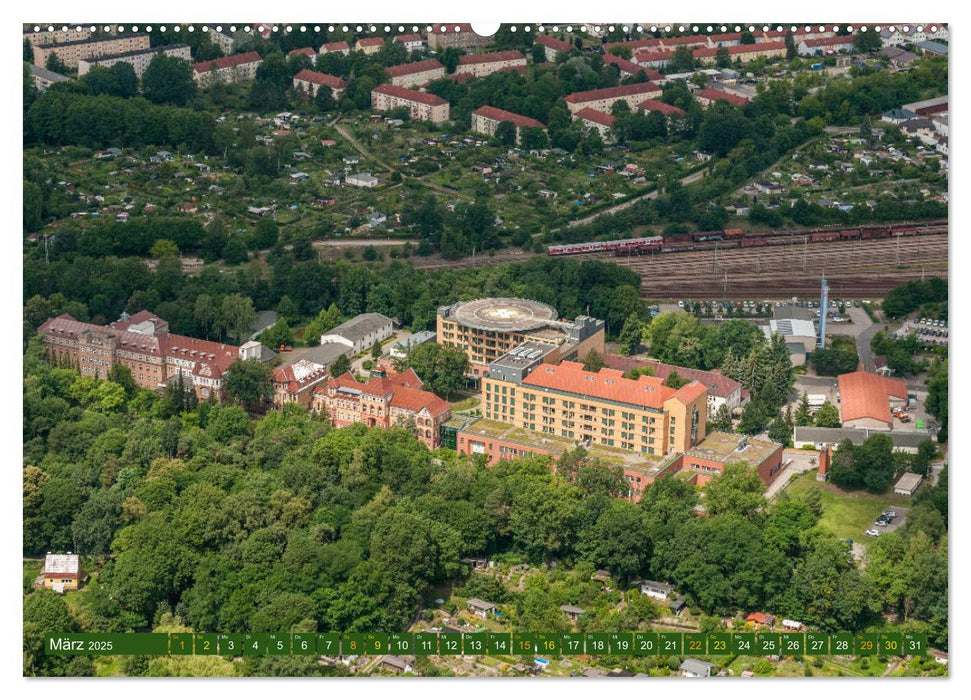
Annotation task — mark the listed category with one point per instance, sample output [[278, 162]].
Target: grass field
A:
[[845, 513]]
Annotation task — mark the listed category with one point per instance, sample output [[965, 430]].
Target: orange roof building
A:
[[603, 99], [868, 400]]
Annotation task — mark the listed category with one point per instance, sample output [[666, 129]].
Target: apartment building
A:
[[594, 119], [486, 119], [42, 77], [662, 107], [709, 96], [603, 99], [743, 52], [722, 390], [412, 42], [296, 383], [383, 402], [415, 74], [238, 68], [70, 52], [455, 36], [58, 35], [594, 408], [421, 106], [369, 45], [142, 343], [138, 60], [335, 47], [486, 329], [479, 65], [310, 82], [821, 46], [553, 47]]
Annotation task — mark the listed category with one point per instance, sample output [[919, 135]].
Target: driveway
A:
[[797, 462]]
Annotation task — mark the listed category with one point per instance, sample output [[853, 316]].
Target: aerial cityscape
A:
[[575, 350]]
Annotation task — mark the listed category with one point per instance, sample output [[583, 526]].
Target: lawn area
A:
[[465, 404], [846, 513]]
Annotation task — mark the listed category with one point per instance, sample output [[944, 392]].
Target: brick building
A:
[[295, 383], [722, 390], [310, 81], [868, 400], [483, 64], [138, 60], [743, 52], [70, 52], [486, 329], [421, 105], [486, 119], [383, 402], [603, 99], [417, 73], [230, 69], [143, 344], [553, 47], [457, 36], [708, 459]]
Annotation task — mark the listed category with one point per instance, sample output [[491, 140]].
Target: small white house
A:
[[362, 180], [361, 332]]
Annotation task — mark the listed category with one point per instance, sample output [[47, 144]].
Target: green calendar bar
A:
[[793, 643], [180, 644], [255, 644], [817, 644], [353, 644], [475, 643], [645, 644], [842, 644], [206, 644], [670, 643], [426, 644], [278, 644], [499, 643], [571, 644], [890, 643], [376, 643], [304, 643], [597, 644], [230, 644], [744, 644], [719, 643], [329, 643], [75, 644], [523, 643], [915, 644], [767, 644], [866, 644], [621, 643], [401, 643], [548, 643], [695, 644], [450, 644]]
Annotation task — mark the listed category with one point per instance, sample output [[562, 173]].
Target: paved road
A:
[[693, 177], [358, 146], [355, 242], [863, 339]]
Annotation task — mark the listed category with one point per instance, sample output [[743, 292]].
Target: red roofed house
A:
[[710, 96], [369, 45], [656, 58], [306, 51], [824, 45], [595, 119], [662, 107], [486, 119], [295, 383], [62, 572], [486, 63], [310, 81], [602, 100], [722, 390], [867, 400], [552, 46], [335, 47], [417, 73], [421, 105], [142, 343], [230, 69], [455, 36], [412, 42], [627, 68], [383, 402]]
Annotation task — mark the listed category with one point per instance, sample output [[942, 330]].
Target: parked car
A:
[[872, 533]]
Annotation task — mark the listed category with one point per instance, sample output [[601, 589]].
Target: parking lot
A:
[[895, 524], [929, 331]]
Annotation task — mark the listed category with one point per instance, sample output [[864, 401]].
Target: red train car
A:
[[824, 236], [748, 242], [849, 234], [874, 233]]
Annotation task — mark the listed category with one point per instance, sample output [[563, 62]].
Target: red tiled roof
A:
[[553, 43], [495, 57], [306, 51], [335, 46], [613, 92], [865, 395], [412, 95], [501, 115], [684, 40], [228, 61], [756, 617], [831, 41], [716, 382], [417, 67], [728, 36], [609, 384], [625, 66], [370, 41], [651, 56], [312, 76], [596, 116], [715, 95], [417, 400], [287, 375], [634, 45], [662, 107], [590, 114], [403, 38], [212, 359]]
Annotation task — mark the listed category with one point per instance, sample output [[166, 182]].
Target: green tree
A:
[[440, 367], [804, 415], [619, 541], [236, 315], [631, 335], [278, 334], [168, 79], [593, 362], [55, 64], [164, 248], [342, 365], [248, 382], [376, 350], [827, 416], [506, 133], [738, 490], [675, 380]]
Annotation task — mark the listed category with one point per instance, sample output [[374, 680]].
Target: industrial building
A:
[[868, 400]]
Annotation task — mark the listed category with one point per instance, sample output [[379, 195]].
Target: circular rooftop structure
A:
[[504, 314]]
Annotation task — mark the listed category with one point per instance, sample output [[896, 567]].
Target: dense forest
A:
[[281, 523]]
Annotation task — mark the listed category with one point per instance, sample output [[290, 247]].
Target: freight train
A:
[[736, 238]]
